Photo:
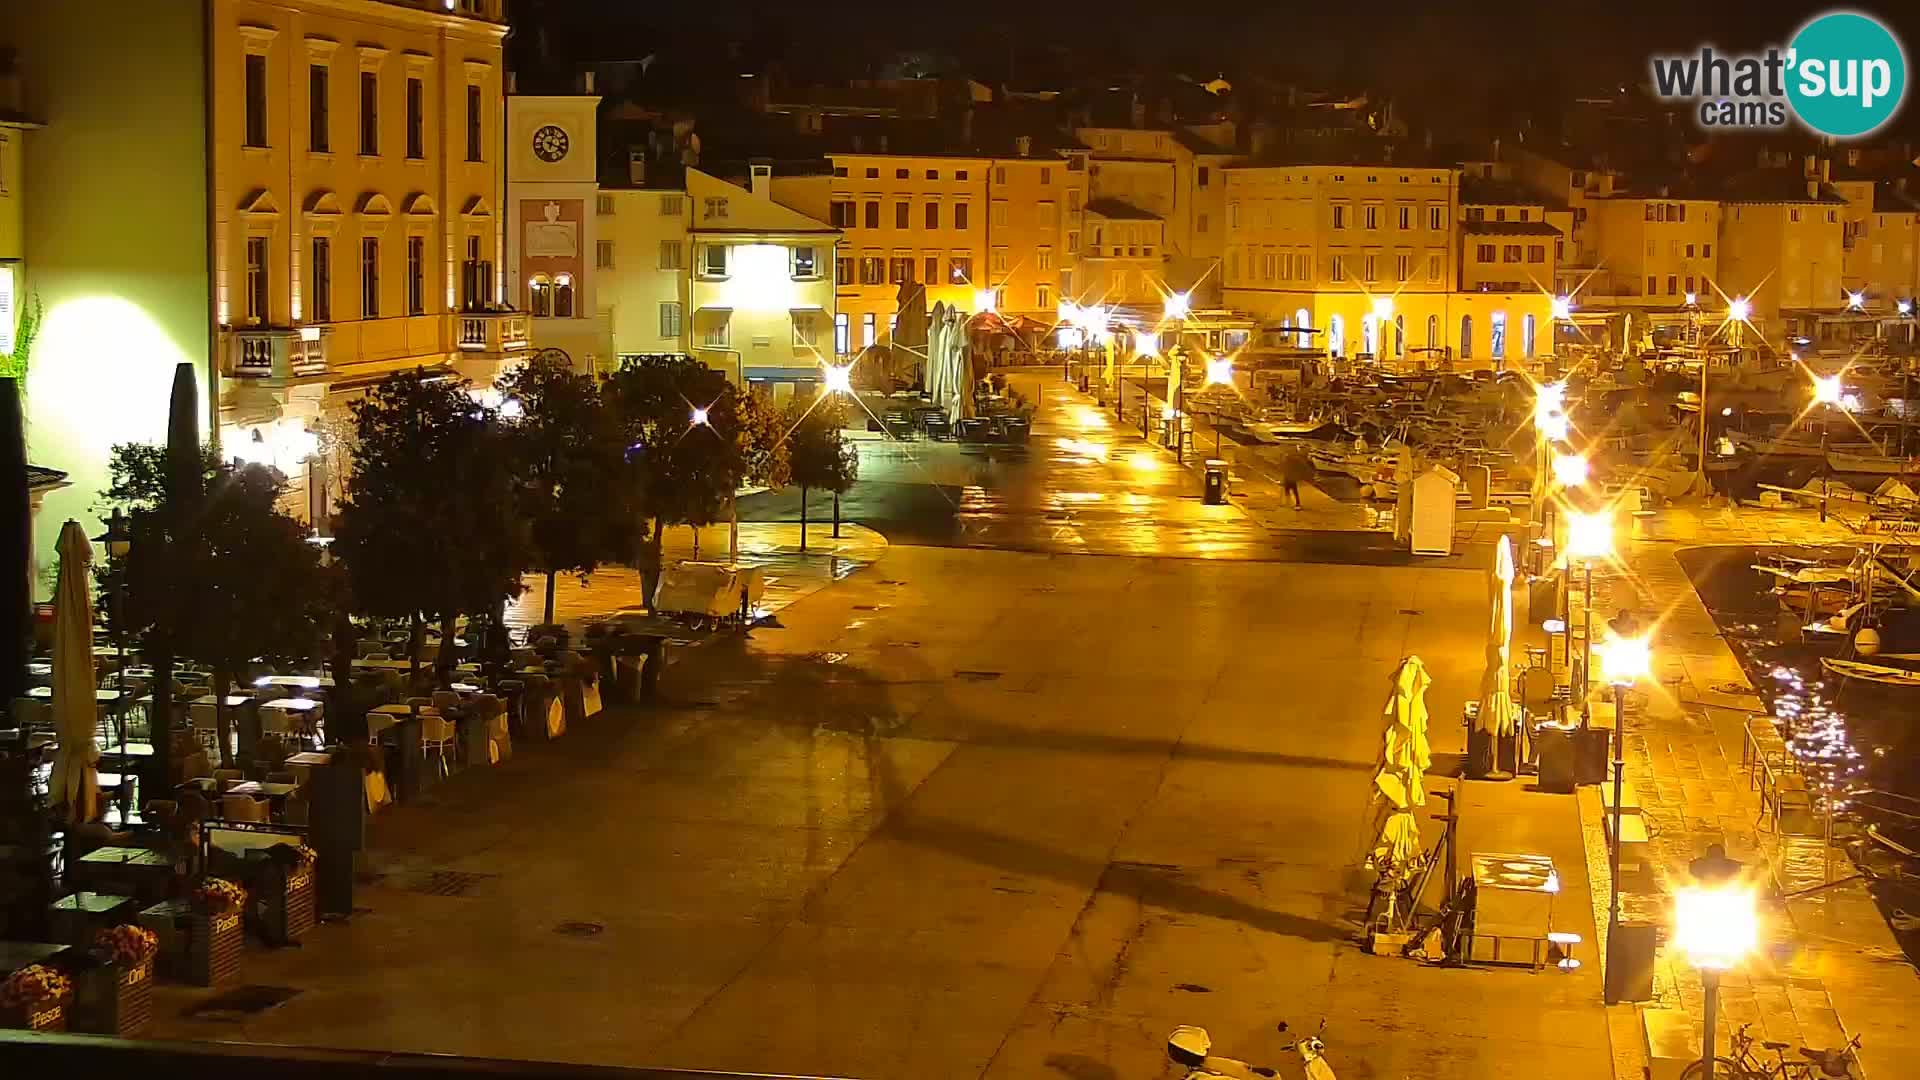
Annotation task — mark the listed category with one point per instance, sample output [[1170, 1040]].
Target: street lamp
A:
[[118, 540], [1827, 390], [1570, 470], [1589, 537], [1739, 309], [1626, 661], [1178, 305], [1715, 923], [700, 417], [838, 379], [1562, 308], [1857, 301]]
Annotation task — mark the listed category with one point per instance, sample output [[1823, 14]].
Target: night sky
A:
[[1462, 68]]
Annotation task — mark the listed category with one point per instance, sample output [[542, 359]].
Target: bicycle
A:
[[1746, 1065]]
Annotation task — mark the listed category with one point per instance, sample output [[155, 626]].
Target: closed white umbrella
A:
[[1499, 716], [75, 712]]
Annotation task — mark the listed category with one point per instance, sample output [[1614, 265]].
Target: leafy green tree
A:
[[430, 526], [822, 456], [568, 451]]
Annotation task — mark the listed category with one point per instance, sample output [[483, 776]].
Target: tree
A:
[[687, 447], [430, 526], [822, 457], [567, 450]]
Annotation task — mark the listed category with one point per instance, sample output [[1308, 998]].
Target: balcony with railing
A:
[[279, 353], [494, 333]]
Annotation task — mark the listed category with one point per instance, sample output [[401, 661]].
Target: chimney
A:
[[1807, 166], [762, 179], [637, 168], [1813, 188], [586, 81], [513, 83], [1023, 145]]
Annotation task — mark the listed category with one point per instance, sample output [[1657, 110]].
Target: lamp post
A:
[[1549, 426], [1715, 924], [118, 541], [1589, 537], [1627, 660]]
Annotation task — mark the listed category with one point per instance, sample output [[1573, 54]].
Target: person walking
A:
[[1295, 469]]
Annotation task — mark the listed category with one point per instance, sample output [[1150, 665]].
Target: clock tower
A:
[[552, 180]]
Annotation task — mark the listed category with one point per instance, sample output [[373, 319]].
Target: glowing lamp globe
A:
[[1692, 298], [1562, 307], [838, 380], [1739, 309], [1219, 371], [1716, 926], [699, 417], [1626, 660], [983, 300], [1178, 305], [1856, 300], [1569, 470], [1553, 426], [1383, 307], [1146, 344], [1827, 389], [1589, 536]]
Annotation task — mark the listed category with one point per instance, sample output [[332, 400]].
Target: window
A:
[[1484, 253], [1476, 213], [1673, 285], [902, 213], [416, 120], [960, 215], [960, 269], [369, 113], [416, 275], [1526, 336], [716, 334], [477, 284], [1653, 285], [1000, 174], [1435, 266], [1690, 287], [1706, 251], [539, 296], [1339, 216], [842, 335], [1466, 337], [806, 332], [1536, 253], [866, 330], [603, 204], [474, 123], [843, 270], [999, 214], [960, 174], [369, 278], [873, 214], [1202, 175], [932, 268], [840, 171], [320, 288], [873, 270], [1372, 216], [670, 205], [1200, 223], [933, 215], [603, 254], [1337, 268], [714, 208], [318, 139], [670, 254], [1402, 266], [1047, 219], [1336, 335], [873, 174], [256, 99], [1406, 217], [670, 320], [1689, 251], [1510, 253], [806, 263], [714, 263], [257, 279], [1497, 335], [1043, 259], [999, 260], [1066, 282], [1436, 217], [841, 214], [1369, 268], [1500, 214], [933, 174], [1073, 243], [1793, 214], [900, 270], [1433, 331], [1649, 212]]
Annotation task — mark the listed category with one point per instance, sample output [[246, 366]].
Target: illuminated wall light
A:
[[1146, 344], [1692, 299], [1827, 389], [1383, 307], [1178, 305], [1739, 309], [1857, 300], [837, 379], [1563, 307], [983, 300], [1219, 371]]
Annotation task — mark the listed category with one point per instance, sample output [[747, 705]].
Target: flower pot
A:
[[213, 948], [50, 1017], [285, 906], [112, 1000]]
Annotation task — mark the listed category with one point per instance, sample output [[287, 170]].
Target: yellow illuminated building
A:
[[1780, 248], [1880, 229], [1035, 232]]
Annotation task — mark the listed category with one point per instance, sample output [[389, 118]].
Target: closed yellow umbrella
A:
[[74, 784], [1399, 777], [1499, 716]]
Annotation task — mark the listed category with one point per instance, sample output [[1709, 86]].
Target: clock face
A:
[[550, 143]]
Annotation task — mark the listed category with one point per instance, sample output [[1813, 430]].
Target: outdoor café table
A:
[[383, 665], [231, 701], [134, 871], [76, 917], [15, 955], [104, 697], [303, 764], [296, 682], [284, 710]]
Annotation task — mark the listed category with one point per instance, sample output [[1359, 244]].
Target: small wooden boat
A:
[[1872, 464], [1874, 673]]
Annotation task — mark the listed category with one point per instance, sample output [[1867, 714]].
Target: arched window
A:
[[540, 296], [1399, 337], [1526, 336], [1497, 332], [1336, 335], [563, 296], [1370, 335], [1466, 337], [1433, 331], [1302, 320]]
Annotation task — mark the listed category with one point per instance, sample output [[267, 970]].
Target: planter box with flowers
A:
[[115, 993], [36, 998], [284, 906], [214, 942]]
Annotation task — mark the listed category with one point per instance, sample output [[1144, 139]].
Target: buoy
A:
[[1867, 641]]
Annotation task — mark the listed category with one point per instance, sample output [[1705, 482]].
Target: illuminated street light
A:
[[1146, 344], [1178, 305], [1739, 309], [1589, 536], [1692, 299], [1626, 660], [1563, 307], [1548, 398], [1383, 307], [838, 380], [1554, 427], [1827, 390], [1068, 312], [983, 300], [1857, 301], [1570, 470], [1716, 923], [699, 417], [1219, 371], [1905, 307]]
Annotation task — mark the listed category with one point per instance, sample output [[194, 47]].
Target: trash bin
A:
[[1554, 745], [1216, 483], [1590, 755]]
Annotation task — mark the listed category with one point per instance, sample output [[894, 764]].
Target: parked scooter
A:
[[1191, 1048]]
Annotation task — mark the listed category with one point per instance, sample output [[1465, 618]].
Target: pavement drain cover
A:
[[448, 883], [977, 676], [240, 1002], [579, 929]]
